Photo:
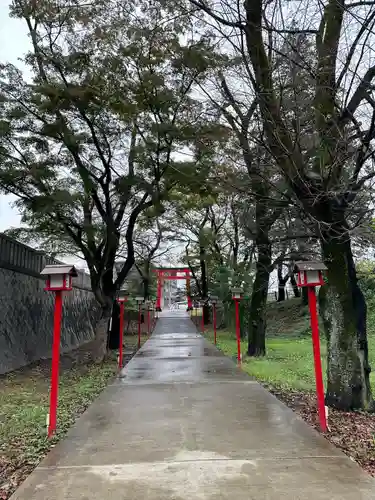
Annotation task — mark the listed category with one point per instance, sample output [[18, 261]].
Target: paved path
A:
[[184, 423]]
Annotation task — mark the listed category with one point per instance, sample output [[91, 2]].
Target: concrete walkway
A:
[[184, 423]]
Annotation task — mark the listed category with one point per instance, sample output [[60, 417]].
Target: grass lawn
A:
[[289, 363], [24, 404]]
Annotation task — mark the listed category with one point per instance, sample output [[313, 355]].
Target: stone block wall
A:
[[26, 310]]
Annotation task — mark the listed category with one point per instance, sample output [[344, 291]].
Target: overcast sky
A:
[[13, 45]]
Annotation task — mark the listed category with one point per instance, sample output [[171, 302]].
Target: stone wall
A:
[[26, 310]]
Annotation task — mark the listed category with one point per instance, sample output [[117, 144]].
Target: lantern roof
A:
[[122, 293], [59, 269], [310, 265]]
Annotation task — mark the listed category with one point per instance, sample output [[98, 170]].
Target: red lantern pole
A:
[[121, 335], [317, 358], [139, 325], [214, 318], [55, 364], [238, 333], [148, 321], [202, 319], [159, 292], [189, 301]]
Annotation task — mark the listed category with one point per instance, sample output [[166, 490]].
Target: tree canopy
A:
[[242, 135]]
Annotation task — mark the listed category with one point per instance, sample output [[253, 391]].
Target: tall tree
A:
[[88, 143], [239, 107], [210, 230], [329, 178]]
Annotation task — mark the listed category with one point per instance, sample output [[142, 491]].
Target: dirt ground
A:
[[352, 432]]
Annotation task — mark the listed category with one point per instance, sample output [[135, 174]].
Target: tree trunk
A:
[[281, 283], [281, 293], [244, 310], [146, 287], [293, 282], [305, 296], [100, 343], [105, 295], [146, 277], [258, 303], [113, 341], [206, 314], [343, 309]]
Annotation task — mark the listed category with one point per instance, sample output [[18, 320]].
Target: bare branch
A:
[[217, 18]]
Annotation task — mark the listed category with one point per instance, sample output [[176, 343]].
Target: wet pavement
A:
[[182, 422]]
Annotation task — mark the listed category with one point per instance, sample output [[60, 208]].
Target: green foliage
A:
[[366, 277], [93, 140]]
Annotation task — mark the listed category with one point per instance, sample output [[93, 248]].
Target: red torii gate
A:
[[172, 273]]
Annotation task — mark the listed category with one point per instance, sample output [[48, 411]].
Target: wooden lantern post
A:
[[237, 296], [58, 280], [310, 275], [214, 300], [122, 297]]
